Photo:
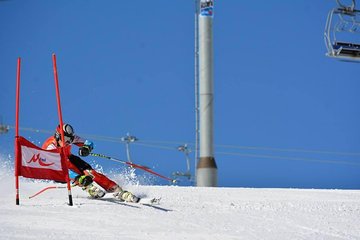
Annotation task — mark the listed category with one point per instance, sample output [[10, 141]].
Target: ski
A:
[[140, 200], [149, 201], [146, 202], [113, 200]]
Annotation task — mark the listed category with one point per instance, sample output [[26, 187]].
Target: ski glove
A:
[[86, 148]]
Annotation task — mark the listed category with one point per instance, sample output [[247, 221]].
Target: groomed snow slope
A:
[[184, 213]]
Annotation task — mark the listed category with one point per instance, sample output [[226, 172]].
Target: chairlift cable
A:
[[161, 145]]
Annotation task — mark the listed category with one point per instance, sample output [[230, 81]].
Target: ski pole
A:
[[133, 165]]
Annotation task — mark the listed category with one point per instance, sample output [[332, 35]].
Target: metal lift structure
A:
[[186, 151], [342, 31]]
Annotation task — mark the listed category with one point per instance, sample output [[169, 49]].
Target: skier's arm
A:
[[78, 141], [86, 146]]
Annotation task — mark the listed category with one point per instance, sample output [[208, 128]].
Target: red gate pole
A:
[[17, 153], [61, 124]]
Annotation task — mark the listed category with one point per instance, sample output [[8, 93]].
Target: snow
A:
[[184, 213]]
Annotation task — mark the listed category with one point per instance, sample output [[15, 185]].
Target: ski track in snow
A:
[[184, 213]]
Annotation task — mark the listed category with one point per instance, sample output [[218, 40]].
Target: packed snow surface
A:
[[184, 213]]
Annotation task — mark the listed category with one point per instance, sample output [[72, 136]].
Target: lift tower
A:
[[206, 173]]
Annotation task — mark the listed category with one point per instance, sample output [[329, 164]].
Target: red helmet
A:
[[68, 133]]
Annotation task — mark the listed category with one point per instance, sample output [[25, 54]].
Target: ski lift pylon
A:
[[342, 26]]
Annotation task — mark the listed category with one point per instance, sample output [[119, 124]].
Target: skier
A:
[[86, 174]]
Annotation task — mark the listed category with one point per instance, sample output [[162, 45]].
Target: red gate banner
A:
[[34, 162]]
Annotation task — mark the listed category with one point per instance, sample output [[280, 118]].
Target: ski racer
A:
[[86, 174]]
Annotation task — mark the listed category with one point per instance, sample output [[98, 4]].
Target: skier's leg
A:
[[77, 164], [85, 178], [102, 180], [112, 187]]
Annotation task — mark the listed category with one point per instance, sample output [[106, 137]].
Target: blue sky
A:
[[285, 114]]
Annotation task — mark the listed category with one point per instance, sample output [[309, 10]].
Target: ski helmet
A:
[[68, 133]]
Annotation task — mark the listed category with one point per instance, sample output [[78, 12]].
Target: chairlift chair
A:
[[4, 128], [344, 22], [186, 151]]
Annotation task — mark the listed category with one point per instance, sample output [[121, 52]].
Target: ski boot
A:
[[86, 183], [126, 196], [94, 191]]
